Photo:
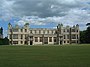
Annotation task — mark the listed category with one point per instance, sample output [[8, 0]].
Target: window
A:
[[64, 41], [21, 42], [25, 42], [64, 30], [73, 41], [21, 30], [39, 31], [77, 30], [67, 36], [15, 30], [10, 36], [15, 42], [73, 30], [77, 36], [25, 30], [15, 36], [43, 31], [73, 36], [48, 31], [64, 37], [21, 36], [31, 31], [41, 39], [35, 31], [45, 40], [50, 39], [67, 41], [26, 36], [55, 39], [36, 39], [67, 30], [52, 31]]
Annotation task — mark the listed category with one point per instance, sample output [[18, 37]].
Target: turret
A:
[[26, 25], [77, 26], [9, 26], [1, 31]]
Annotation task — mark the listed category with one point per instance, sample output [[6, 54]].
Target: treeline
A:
[[85, 35], [4, 41]]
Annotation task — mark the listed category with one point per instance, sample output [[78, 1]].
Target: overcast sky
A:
[[45, 13]]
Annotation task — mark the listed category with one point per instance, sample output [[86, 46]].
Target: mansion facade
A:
[[43, 36]]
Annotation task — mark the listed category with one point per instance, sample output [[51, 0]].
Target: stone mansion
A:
[[43, 36]]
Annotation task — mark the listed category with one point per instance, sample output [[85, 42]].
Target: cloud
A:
[[42, 12]]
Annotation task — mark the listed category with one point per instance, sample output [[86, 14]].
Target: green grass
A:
[[45, 56]]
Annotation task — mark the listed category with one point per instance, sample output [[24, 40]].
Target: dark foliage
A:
[[85, 35], [4, 41]]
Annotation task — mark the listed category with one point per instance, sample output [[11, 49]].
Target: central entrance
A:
[[31, 40], [31, 43], [45, 40]]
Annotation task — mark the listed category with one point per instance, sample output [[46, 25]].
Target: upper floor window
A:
[[48, 31], [64, 37], [39, 31], [73, 30], [21, 30], [64, 30], [25, 30], [67, 30], [31, 31], [35, 32], [77, 30], [21, 36], [43, 31], [26, 36], [15, 30], [73, 36], [15, 36], [52, 31]]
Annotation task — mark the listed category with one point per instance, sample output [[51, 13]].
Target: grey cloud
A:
[[69, 11]]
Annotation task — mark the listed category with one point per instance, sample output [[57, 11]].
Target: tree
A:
[[4, 41], [88, 33], [85, 35]]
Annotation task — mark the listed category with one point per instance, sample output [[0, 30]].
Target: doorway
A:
[[60, 42], [31, 43]]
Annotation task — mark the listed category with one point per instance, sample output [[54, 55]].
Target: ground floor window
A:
[[50, 39], [25, 42], [15, 42], [67, 41], [64, 41], [36, 39], [55, 39], [41, 39], [21, 42], [45, 40], [73, 41]]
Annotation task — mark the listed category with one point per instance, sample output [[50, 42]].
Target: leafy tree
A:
[[85, 35], [4, 41], [88, 33]]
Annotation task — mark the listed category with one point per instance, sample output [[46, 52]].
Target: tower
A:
[[11, 33], [59, 34], [1, 32]]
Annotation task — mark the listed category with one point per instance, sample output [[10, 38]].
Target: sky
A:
[[44, 13]]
